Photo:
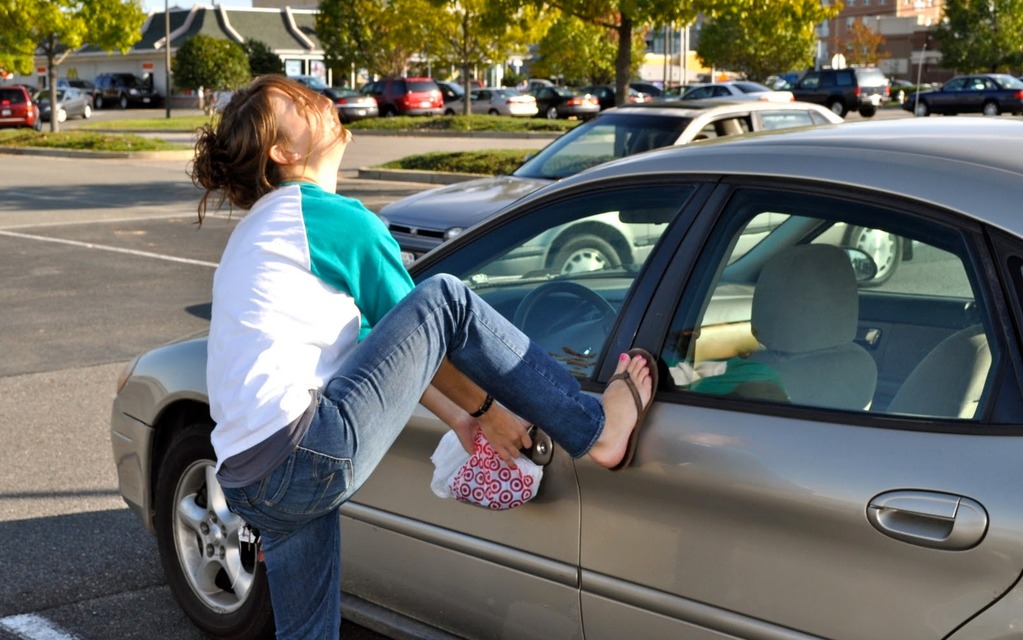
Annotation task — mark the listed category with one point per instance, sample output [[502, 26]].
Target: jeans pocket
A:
[[307, 485]]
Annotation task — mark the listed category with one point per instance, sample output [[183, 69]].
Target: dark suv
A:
[[17, 109], [406, 96], [844, 90], [123, 90]]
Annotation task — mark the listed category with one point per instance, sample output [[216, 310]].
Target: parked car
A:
[[17, 108], [351, 105], [406, 96], [450, 91], [737, 89], [71, 103], [859, 446], [648, 88], [85, 86], [859, 89], [606, 95], [123, 90], [495, 101], [899, 89], [563, 102], [988, 93], [422, 221]]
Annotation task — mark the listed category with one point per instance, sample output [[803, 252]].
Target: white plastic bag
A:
[[482, 478]]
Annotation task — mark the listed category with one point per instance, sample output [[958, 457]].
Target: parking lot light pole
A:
[[167, 56]]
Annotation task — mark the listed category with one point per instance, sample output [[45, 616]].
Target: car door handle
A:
[[929, 518]]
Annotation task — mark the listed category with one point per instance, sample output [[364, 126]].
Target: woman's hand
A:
[[506, 432]]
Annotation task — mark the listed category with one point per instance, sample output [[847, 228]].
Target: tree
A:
[[56, 28], [210, 64], [262, 59], [380, 35], [981, 36], [477, 33], [582, 52], [863, 48], [624, 17], [761, 37]]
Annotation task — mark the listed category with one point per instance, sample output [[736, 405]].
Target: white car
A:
[[737, 90], [495, 101]]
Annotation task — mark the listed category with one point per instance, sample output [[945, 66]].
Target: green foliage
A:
[[380, 35], [262, 59], [626, 18], [85, 141], [487, 162], [981, 36], [582, 53], [216, 64], [758, 38]]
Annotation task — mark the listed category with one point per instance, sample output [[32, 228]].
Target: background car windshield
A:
[[605, 138]]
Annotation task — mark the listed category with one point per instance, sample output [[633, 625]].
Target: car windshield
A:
[[610, 136]]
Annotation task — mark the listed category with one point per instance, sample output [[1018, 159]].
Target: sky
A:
[[157, 5]]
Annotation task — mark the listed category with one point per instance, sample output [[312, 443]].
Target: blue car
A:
[[991, 94]]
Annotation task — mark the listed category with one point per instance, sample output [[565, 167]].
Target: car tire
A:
[[921, 110], [583, 253], [122, 103], [552, 113], [493, 112], [87, 112], [449, 112], [389, 112], [838, 108], [201, 547], [991, 108], [868, 112], [98, 101], [61, 115], [884, 248]]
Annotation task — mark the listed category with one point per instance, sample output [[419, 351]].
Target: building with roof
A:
[[290, 33]]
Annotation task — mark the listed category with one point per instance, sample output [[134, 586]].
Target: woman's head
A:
[[271, 131]]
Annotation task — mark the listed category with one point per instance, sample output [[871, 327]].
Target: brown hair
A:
[[232, 154]]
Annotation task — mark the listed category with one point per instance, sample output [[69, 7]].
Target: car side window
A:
[[562, 271], [810, 81], [823, 302]]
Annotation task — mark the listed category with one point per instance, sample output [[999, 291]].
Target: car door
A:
[[954, 97], [459, 567], [771, 499]]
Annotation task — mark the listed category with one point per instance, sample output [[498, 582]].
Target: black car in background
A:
[[860, 89], [123, 90], [563, 102], [988, 93]]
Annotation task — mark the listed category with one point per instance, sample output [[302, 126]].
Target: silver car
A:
[[823, 459], [423, 221], [71, 102]]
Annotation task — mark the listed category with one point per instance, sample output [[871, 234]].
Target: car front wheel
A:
[[838, 108], [552, 113], [209, 555], [921, 110], [584, 253], [991, 108], [123, 102], [87, 112]]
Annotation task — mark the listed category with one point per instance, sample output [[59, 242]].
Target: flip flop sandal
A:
[[641, 411]]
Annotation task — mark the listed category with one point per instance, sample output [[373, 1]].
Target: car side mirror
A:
[[863, 265]]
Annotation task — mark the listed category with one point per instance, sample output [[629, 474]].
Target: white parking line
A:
[[32, 627], [102, 247]]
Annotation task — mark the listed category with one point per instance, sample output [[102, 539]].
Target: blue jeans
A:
[[360, 413]]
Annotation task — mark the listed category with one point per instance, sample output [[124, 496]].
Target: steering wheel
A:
[[541, 294]]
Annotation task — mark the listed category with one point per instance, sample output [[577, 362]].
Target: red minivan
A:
[[406, 96], [17, 108]]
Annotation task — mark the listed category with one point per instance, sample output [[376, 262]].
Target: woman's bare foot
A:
[[621, 413]]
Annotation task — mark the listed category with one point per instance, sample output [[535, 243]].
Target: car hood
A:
[[459, 205]]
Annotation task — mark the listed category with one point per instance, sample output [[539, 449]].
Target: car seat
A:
[[805, 313], [950, 379]]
